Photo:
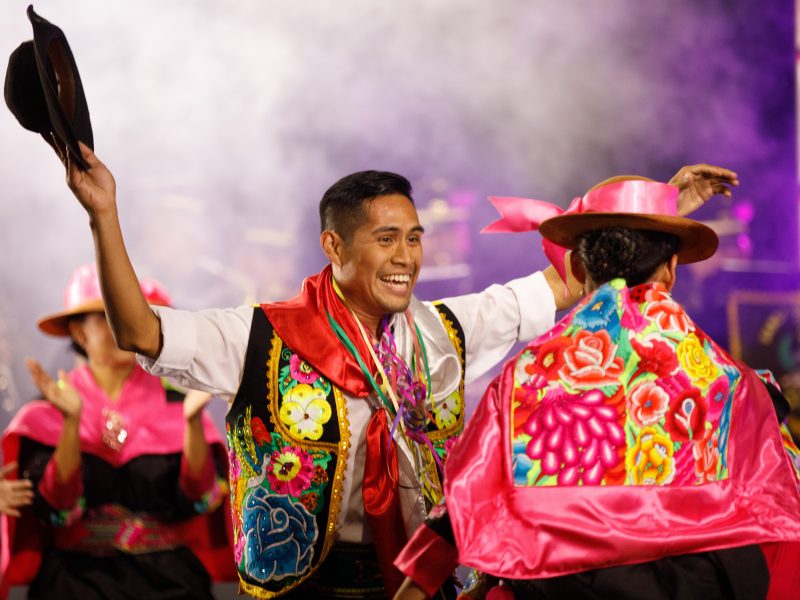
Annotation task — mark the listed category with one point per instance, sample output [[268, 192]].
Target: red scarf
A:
[[302, 323]]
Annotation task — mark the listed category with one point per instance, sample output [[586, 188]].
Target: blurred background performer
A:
[[129, 482]]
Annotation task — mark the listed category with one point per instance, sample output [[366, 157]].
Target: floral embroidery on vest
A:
[[288, 440], [285, 450], [626, 390]]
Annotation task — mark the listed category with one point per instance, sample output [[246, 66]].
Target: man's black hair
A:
[[342, 207], [633, 254]]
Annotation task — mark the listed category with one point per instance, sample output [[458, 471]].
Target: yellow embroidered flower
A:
[[305, 410], [696, 362], [649, 461], [446, 411]]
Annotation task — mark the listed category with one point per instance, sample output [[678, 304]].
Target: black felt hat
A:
[[43, 90]]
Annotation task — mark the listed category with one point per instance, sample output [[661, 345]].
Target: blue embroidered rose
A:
[[280, 536], [600, 312]]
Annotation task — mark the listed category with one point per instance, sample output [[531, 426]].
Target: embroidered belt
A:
[[112, 528]]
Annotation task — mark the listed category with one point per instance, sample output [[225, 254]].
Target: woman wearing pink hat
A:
[[129, 486], [623, 454]]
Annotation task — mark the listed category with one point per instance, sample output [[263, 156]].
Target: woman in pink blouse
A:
[[129, 481]]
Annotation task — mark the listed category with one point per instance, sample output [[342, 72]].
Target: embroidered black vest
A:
[[288, 440]]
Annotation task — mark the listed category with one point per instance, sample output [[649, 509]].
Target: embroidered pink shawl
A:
[[621, 436]]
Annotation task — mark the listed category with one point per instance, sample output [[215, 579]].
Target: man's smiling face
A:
[[380, 263]]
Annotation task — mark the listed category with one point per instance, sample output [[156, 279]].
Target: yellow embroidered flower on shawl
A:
[[697, 363], [649, 461]]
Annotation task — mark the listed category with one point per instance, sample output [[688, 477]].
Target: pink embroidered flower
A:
[[667, 314], [647, 403], [706, 456], [684, 466], [301, 370], [576, 437], [633, 320], [655, 356], [591, 361], [234, 466], [687, 415], [238, 549], [717, 397], [290, 471]]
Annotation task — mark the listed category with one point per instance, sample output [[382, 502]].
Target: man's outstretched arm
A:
[[134, 325]]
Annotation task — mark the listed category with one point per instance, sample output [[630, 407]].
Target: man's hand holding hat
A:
[[95, 187]]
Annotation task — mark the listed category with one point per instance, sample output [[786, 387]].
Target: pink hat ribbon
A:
[[626, 196]]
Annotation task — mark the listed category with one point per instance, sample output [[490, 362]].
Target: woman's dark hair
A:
[[342, 206], [76, 347], [633, 254]]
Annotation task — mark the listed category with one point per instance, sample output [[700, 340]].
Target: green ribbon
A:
[[342, 335]]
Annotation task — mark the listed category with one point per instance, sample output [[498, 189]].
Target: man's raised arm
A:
[[134, 325]]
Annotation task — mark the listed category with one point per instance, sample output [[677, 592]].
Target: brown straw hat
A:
[[637, 203]]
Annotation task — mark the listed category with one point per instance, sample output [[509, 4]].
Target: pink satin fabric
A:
[[530, 532], [628, 196]]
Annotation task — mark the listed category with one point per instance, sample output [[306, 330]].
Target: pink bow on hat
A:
[[526, 214], [618, 195]]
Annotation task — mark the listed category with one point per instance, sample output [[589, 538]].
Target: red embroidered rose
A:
[[525, 401], [686, 418], [647, 403], [260, 433], [655, 356], [591, 361], [668, 314], [706, 456], [550, 357], [717, 398]]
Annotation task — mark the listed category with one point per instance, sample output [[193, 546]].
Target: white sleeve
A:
[[496, 318], [202, 350]]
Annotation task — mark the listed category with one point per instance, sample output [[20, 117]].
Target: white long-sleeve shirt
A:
[[206, 350]]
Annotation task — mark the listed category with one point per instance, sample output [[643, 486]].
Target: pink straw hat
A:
[[82, 295]]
